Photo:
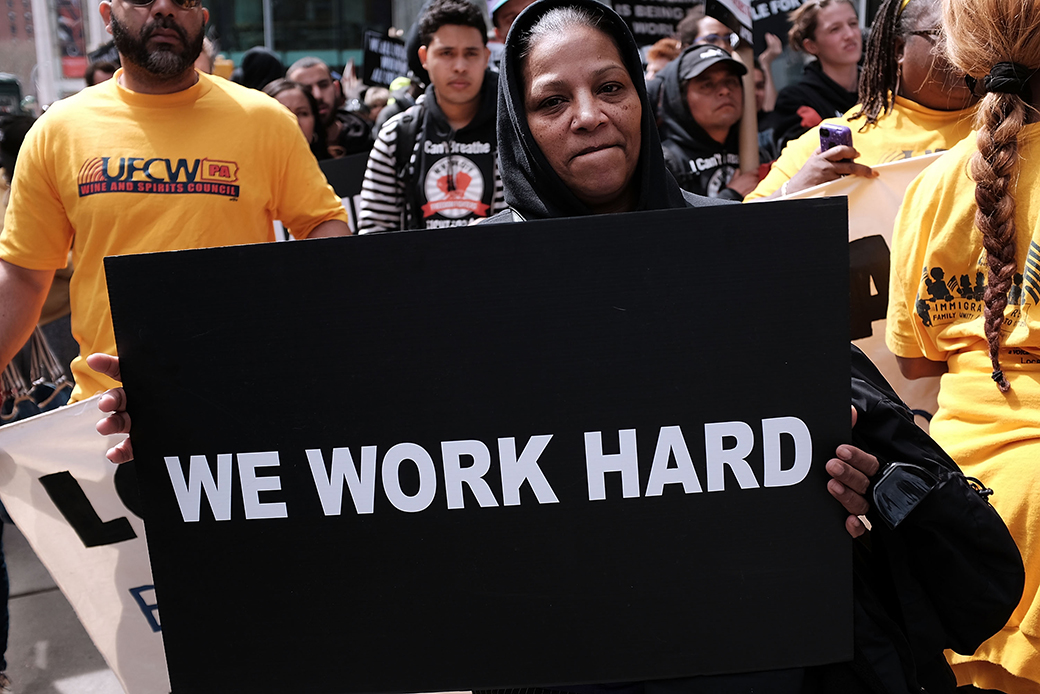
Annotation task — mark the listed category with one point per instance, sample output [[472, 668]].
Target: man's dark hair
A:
[[308, 62], [686, 30], [453, 12], [90, 75]]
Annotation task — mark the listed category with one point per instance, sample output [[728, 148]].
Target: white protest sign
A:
[[736, 14], [873, 204], [61, 492]]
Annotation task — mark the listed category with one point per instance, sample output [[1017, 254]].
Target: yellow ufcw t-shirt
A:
[[119, 172], [908, 130], [936, 310]]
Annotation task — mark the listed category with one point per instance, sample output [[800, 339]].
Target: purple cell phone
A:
[[834, 135]]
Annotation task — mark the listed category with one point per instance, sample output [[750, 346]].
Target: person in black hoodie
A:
[[576, 137], [828, 30], [434, 165], [700, 123]]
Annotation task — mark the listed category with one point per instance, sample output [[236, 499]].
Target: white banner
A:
[[873, 204], [62, 493]]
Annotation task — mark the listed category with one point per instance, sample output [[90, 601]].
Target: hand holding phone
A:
[[822, 167]]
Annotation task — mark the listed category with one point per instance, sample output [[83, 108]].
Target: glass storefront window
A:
[[329, 29]]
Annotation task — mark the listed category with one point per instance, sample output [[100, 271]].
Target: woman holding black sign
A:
[[576, 137]]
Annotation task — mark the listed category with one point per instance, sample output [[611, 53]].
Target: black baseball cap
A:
[[697, 59]]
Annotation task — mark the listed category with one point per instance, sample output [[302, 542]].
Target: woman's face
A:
[[585, 115], [837, 40], [926, 76], [295, 101]]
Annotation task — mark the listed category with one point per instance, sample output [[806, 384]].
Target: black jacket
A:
[[532, 188], [816, 91]]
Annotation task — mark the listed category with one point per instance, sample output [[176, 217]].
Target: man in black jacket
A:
[[700, 129]]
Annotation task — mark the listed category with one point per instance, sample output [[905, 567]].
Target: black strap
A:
[[407, 137]]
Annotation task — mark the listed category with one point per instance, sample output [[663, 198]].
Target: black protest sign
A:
[[345, 175], [385, 59], [770, 17], [652, 20], [578, 450]]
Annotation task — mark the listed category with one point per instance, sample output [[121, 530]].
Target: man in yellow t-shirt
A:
[[159, 158]]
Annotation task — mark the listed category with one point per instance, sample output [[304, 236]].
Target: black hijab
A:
[[532, 188]]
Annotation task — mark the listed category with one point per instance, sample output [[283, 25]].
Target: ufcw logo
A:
[[158, 176]]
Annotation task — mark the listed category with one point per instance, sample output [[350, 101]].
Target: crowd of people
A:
[[567, 120]]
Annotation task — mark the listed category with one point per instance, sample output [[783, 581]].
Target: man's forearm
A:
[[22, 293], [332, 227]]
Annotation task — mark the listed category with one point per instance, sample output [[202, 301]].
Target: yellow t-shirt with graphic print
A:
[[121, 172], [908, 130], [935, 310]]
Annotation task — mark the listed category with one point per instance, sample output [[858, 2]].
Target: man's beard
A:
[[164, 60]]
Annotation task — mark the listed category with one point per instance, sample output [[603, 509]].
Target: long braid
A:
[[995, 170], [997, 43]]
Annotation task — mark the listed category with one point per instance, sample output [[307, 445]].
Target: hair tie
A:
[[1008, 78], [902, 6]]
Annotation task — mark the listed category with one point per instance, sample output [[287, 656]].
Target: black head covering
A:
[[532, 188], [259, 68]]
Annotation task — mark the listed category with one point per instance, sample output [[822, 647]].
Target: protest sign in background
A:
[[652, 20], [385, 59], [73, 507], [873, 205], [399, 447], [345, 175], [770, 17]]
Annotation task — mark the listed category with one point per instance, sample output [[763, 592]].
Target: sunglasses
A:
[[732, 39], [930, 35], [183, 4]]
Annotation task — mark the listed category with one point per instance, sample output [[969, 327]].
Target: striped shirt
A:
[[383, 198]]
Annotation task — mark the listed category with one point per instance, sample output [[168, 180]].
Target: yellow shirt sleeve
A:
[[793, 158], [36, 233], [303, 197], [905, 272]]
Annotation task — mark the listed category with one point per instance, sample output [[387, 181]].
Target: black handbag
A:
[[958, 570]]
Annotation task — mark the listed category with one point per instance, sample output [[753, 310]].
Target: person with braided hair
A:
[[976, 211], [911, 102]]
